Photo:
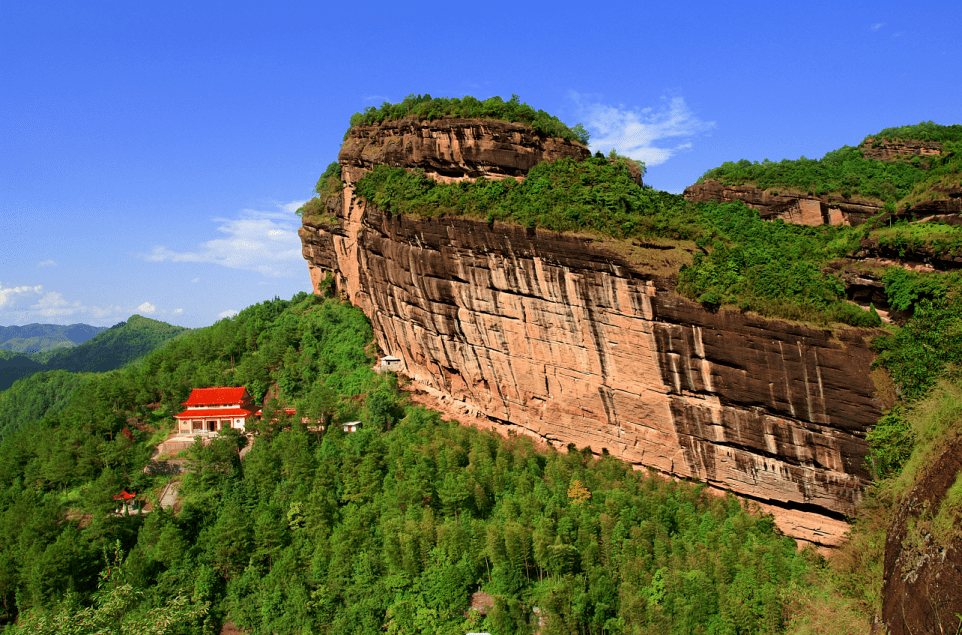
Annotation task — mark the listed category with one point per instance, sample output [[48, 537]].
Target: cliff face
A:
[[452, 149], [558, 338], [888, 150]]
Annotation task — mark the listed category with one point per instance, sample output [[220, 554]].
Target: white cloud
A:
[[146, 307], [228, 313], [266, 242], [178, 311], [47, 263], [195, 280], [53, 304], [640, 134], [877, 26], [7, 293], [22, 304]]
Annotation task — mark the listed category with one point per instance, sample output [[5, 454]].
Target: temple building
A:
[[215, 409]]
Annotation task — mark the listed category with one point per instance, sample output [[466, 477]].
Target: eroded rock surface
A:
[[791, 208], [558, 338], [888, 150], [452, 149], [922, 591]]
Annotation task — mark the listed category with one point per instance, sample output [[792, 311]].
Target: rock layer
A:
[[561, 339], [452, 149], [792, 208]]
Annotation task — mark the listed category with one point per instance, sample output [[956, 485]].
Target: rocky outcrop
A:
[[889, 150], [790, 207], [452, 149], [556, 337], [923, 575]]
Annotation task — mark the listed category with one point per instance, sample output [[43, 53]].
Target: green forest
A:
[[112, 348], [417, 525], [392, 527], [847, 173]]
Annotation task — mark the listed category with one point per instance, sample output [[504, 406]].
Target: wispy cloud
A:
[[47, 263], [877, 26], [178, 311], [147, 307], [651, 135], [266, 242]]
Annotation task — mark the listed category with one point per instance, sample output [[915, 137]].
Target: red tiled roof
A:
[[123, 495], [213, 413], [211, 396], [290, 411]]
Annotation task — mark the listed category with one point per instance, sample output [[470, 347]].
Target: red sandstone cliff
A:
[[556, 337]]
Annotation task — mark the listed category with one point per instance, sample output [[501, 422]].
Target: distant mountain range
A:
[[102, 350], [39, 338]]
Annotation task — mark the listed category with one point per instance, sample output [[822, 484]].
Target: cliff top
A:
[[425, 107], [887, 168]]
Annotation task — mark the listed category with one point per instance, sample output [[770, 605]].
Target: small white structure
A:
[[390, 363], [351, 426]]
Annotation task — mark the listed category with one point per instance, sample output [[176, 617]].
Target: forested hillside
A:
[[110, 349], [39, 338], [390, 528]]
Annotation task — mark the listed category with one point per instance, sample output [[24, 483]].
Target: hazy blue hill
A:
[[116, 347], [38, 338]]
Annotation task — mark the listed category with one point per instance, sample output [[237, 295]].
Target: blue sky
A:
[[153, 153]]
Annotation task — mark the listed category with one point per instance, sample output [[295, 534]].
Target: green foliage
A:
[[38, 338], [119, 345], [425, 107], [594, 195], [774, 268], [921, 239], [924, 131], [389, 528], [14, 366], [844, 171], [112, 348], [35, 397], [918, 354]]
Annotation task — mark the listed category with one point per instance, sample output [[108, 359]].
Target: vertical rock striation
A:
[[554, 336]]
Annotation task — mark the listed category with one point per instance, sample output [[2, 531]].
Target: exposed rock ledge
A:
[[452, 149], [792, 208]]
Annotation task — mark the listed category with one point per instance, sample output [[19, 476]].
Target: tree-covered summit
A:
[[427, 108], [846, 172]]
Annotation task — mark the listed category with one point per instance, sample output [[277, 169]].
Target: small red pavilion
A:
[[215, 409]]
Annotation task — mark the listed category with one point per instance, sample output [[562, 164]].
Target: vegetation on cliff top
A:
[[427, 108], [389, 529], [847, 173], [775, 269]]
